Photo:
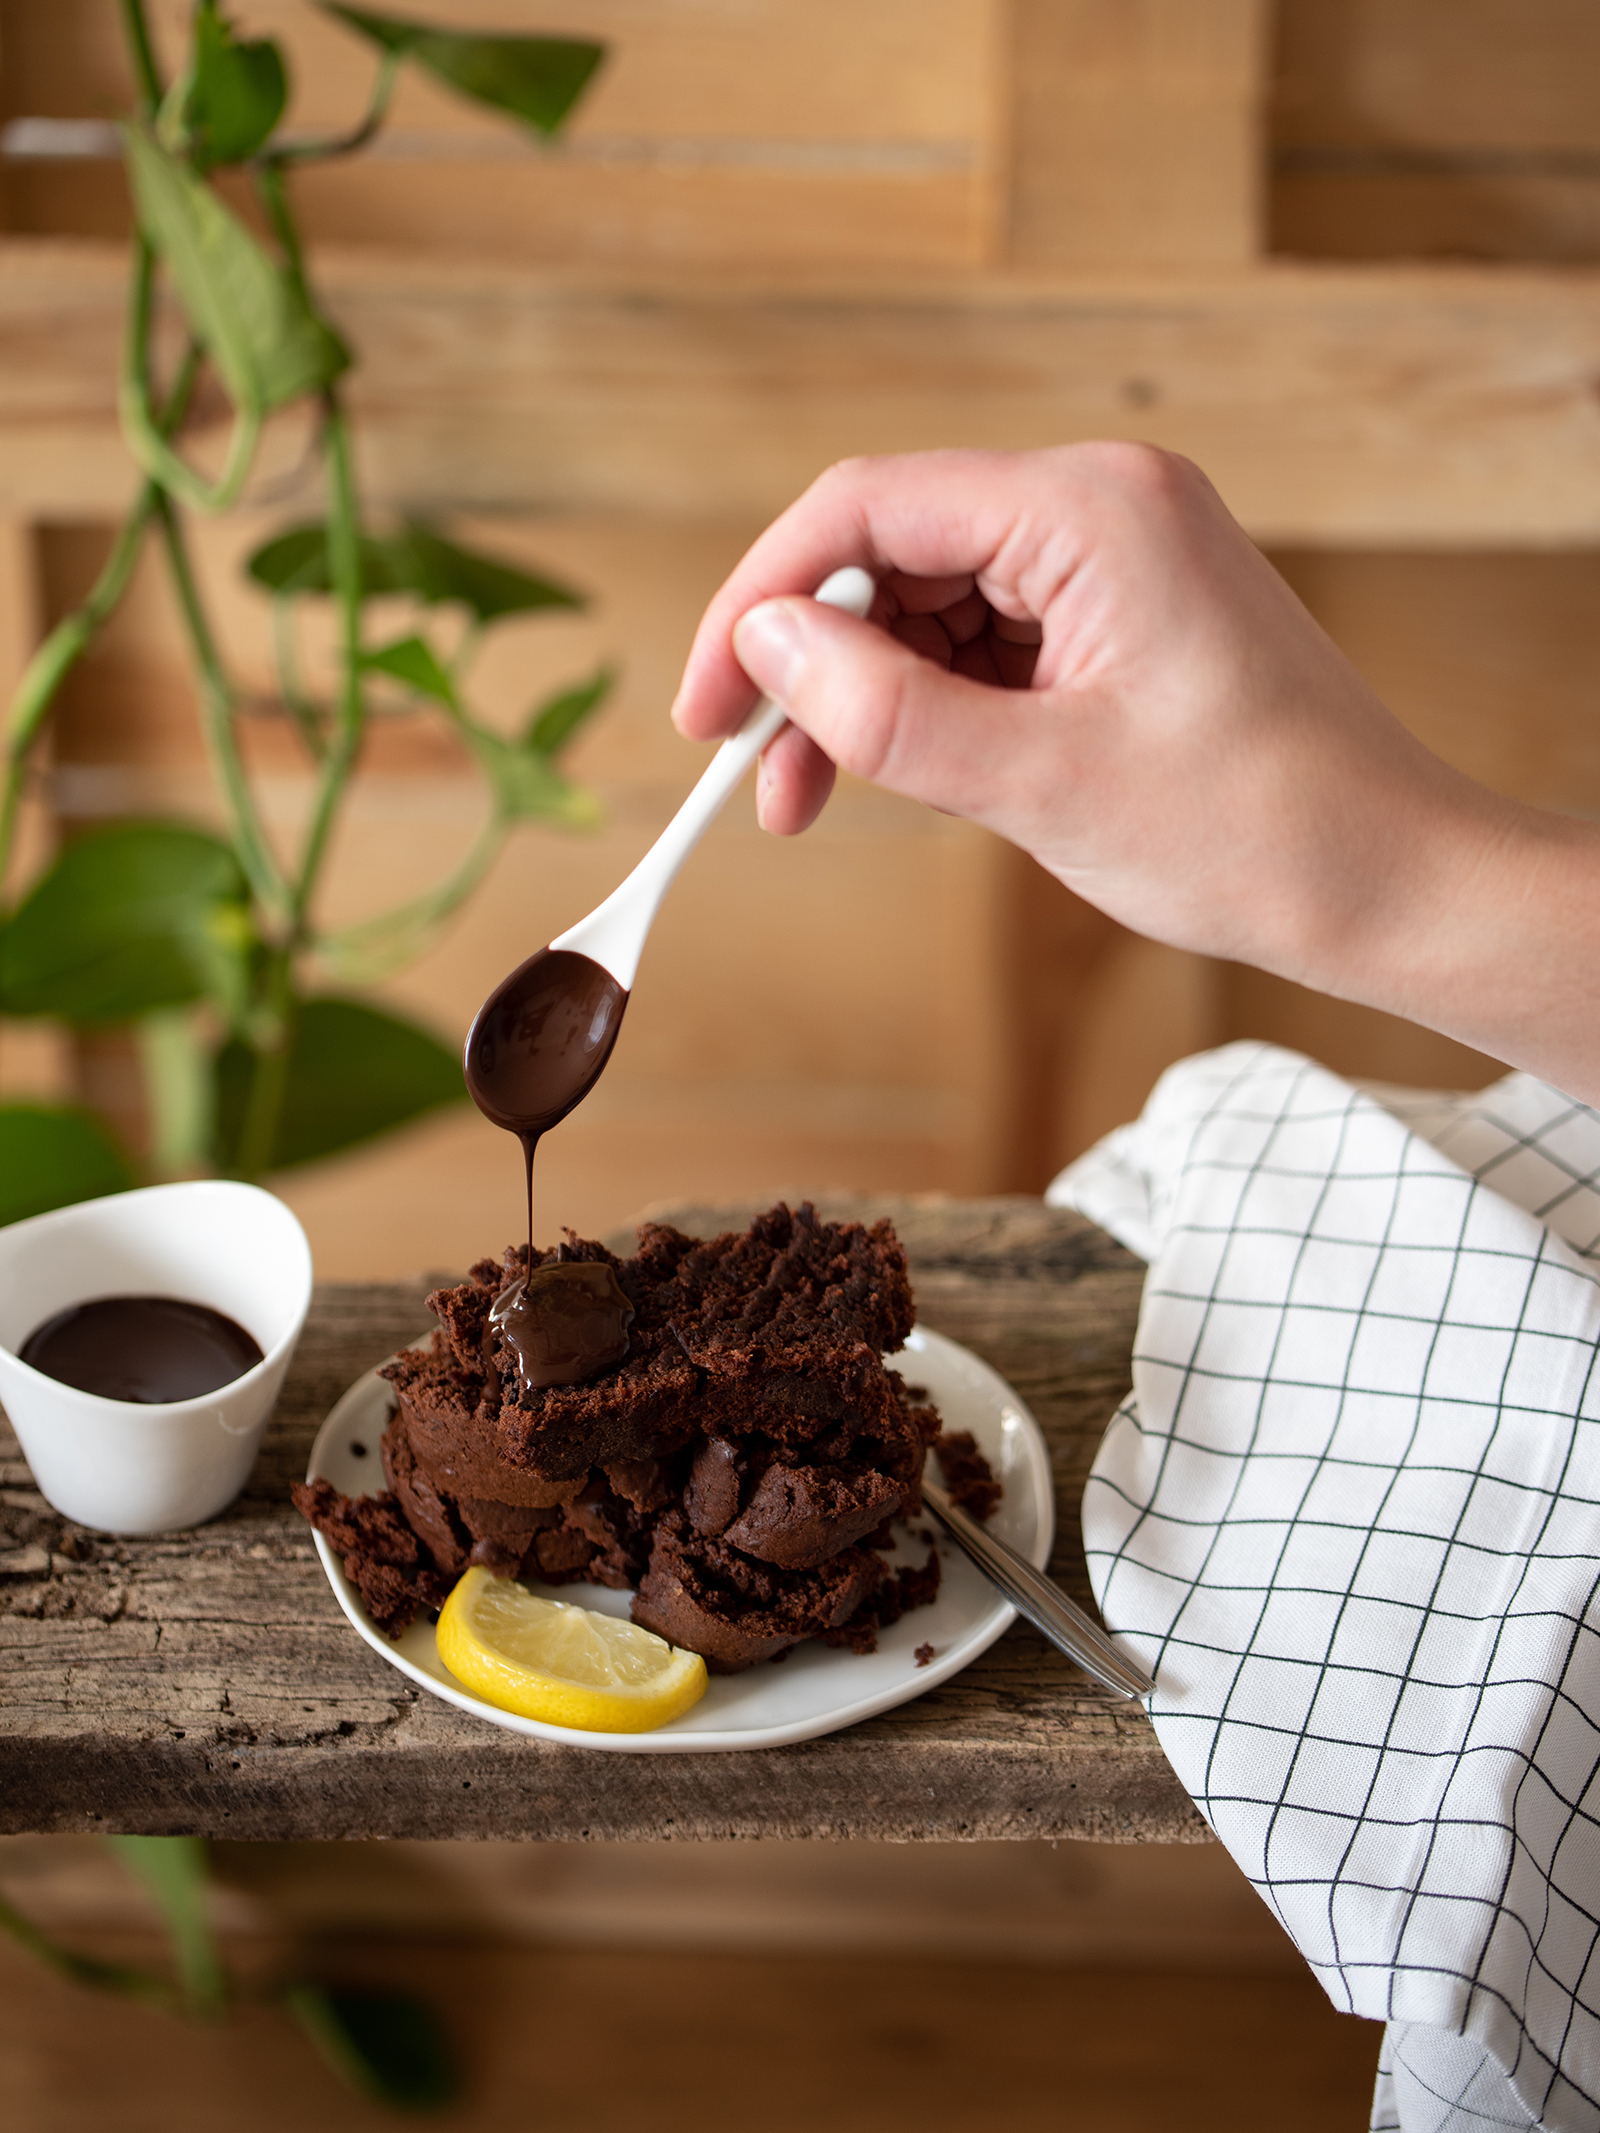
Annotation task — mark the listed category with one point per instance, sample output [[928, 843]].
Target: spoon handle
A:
[[614, 933]]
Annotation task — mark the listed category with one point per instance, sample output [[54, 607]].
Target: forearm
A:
[[1498, 946]]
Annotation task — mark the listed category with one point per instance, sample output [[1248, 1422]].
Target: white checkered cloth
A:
[[1350, 1519]]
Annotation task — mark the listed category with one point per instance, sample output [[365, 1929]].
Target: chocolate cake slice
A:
[[739, 1468]]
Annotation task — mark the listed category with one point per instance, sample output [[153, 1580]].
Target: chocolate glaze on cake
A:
[[740, 1466]]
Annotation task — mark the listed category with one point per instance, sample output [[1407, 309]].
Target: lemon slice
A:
[[563, 1664]]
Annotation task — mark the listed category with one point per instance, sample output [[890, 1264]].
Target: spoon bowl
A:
[[541, 1040]]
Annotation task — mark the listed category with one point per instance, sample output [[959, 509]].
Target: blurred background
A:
[[1334, 250], [1342, 252]]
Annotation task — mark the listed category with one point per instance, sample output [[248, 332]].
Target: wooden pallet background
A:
[[1343, 253]]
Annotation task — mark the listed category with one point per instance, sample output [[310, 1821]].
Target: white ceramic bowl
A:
[[118, 1465]]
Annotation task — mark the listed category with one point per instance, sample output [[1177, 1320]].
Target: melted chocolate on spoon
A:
[[147, 1349], [538, 1046]]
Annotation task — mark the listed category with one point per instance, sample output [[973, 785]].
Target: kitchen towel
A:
[[1349, 1517]]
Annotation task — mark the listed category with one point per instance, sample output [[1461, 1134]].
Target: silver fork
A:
[[1039, 1600]]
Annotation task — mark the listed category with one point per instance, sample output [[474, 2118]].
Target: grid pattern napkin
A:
[[1350, 1519]]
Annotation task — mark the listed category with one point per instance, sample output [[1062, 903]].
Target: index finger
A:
[[930, 515]]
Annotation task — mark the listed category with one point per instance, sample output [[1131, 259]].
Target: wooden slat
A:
[[613, 2041], [1411, 130], [1446, 407], [1136, 132], [1470, 75], [806, 131]]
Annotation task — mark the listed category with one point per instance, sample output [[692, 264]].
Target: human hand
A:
[[1185, 747]]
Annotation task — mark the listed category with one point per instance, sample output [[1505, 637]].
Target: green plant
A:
[[255, 1057], [387, 2045]]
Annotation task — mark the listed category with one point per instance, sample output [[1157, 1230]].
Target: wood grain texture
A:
[[1446, 406], [1136, 132], [615, 2041], [206, 1682]]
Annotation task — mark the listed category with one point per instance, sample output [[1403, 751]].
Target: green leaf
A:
[[412, 661], [127, 921], [438, 571], [175, 1871], [536, 79], [385, 2044], [417, 561], [248, 315], [52, 1157], [297, 562], [237, 94], [353, 1072], [557, 719], [527, 785]]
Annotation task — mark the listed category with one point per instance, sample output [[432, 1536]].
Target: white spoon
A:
[[613, 934], [543, 1035]]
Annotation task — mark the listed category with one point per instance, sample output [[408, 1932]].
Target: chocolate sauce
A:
[[538, 1046], [564, 1323], [145, 1349]]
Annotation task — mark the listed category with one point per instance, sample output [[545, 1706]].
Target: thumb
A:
[[882, 712]]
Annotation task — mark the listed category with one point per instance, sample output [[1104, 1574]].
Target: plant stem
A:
[[269, 1071], [217, 706], [144, 432], [291, 686], [55, 658], [70, 638], [178, 1080], [84, 1969], [344, 566], [362, 953], [176, 1874], [342, 144], [275, 200], [269, 1079], [137, 31]]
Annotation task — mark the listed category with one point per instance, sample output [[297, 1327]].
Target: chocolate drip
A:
[[145, 1349], [564, 1323], [538, 1046]]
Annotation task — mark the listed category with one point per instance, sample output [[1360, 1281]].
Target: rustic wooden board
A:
[[1444, 406], [206, 1682]]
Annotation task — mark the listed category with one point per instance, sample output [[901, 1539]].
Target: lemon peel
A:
[[563, 1664]]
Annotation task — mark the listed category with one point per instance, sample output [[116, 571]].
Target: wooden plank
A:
[[617, 2039], [1409, 130], [1409, 73], [207, 1681], [710, 133], [1094, 1906], [797, 70], [1443, 406], [1136, 136]]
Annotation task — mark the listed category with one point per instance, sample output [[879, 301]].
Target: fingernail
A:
[[769, 643]]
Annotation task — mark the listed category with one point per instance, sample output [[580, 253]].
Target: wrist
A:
[[1486, 927]]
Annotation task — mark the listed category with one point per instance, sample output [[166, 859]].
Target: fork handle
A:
[[1039, 1599]]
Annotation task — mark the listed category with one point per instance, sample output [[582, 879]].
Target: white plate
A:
[[815, 1690]]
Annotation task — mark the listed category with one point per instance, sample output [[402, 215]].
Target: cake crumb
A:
[[967, 1474], [923, 1654], [891, 1598], [382, 1557]]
